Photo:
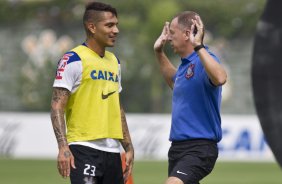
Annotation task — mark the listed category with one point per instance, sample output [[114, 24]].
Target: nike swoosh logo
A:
[[179, 172], [107, 95]]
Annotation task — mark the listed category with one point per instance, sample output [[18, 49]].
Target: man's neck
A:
[[189, 50], [92, 44]]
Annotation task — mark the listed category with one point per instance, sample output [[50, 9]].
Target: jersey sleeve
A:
[[69, 72], [207, 79]]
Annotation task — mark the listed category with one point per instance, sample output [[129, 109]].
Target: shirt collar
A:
[[191, 56]]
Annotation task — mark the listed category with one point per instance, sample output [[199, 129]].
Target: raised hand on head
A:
[[160, 42], [197, 32]]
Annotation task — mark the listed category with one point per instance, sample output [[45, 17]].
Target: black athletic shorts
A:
[[95, 166], [192, 160]]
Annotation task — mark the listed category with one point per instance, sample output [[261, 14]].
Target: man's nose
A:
[[116, 30], [169, 37]]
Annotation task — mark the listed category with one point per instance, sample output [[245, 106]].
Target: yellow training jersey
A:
[[93, 110]]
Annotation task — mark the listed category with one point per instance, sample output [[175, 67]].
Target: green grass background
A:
[[145, 172]]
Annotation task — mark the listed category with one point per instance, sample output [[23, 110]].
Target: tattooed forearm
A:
[[126, 141], [59, 127], [60, 95], [59, 101]]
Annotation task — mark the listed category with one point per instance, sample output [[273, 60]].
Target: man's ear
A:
[[91, 27], [187, 34]]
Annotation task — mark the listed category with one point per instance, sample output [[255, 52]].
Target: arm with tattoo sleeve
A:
[[65, 158], [127, 146]]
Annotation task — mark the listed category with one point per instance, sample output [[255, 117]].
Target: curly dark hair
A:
[[93, 12], [98, 6]]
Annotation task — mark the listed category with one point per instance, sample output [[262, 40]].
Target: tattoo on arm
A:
[[59, 101], [126, 141]]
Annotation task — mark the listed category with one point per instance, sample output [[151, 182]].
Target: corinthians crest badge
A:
[[190, 71]]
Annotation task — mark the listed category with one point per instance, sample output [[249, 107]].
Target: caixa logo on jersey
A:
[[62, 64], [104, 75]]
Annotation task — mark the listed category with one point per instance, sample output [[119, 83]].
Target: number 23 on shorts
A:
[[89, 170]]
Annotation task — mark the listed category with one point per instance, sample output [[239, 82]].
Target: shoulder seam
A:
[[75, 57]]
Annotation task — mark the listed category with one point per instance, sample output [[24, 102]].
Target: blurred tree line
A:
[[26, 84]]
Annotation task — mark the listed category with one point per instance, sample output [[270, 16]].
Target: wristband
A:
[[198, 47]]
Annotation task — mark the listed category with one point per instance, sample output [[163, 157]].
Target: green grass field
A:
[[145, 172]]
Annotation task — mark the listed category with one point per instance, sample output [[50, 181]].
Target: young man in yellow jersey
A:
[[86, 92]]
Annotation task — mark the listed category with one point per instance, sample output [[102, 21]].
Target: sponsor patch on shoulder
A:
[[62, 65]]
